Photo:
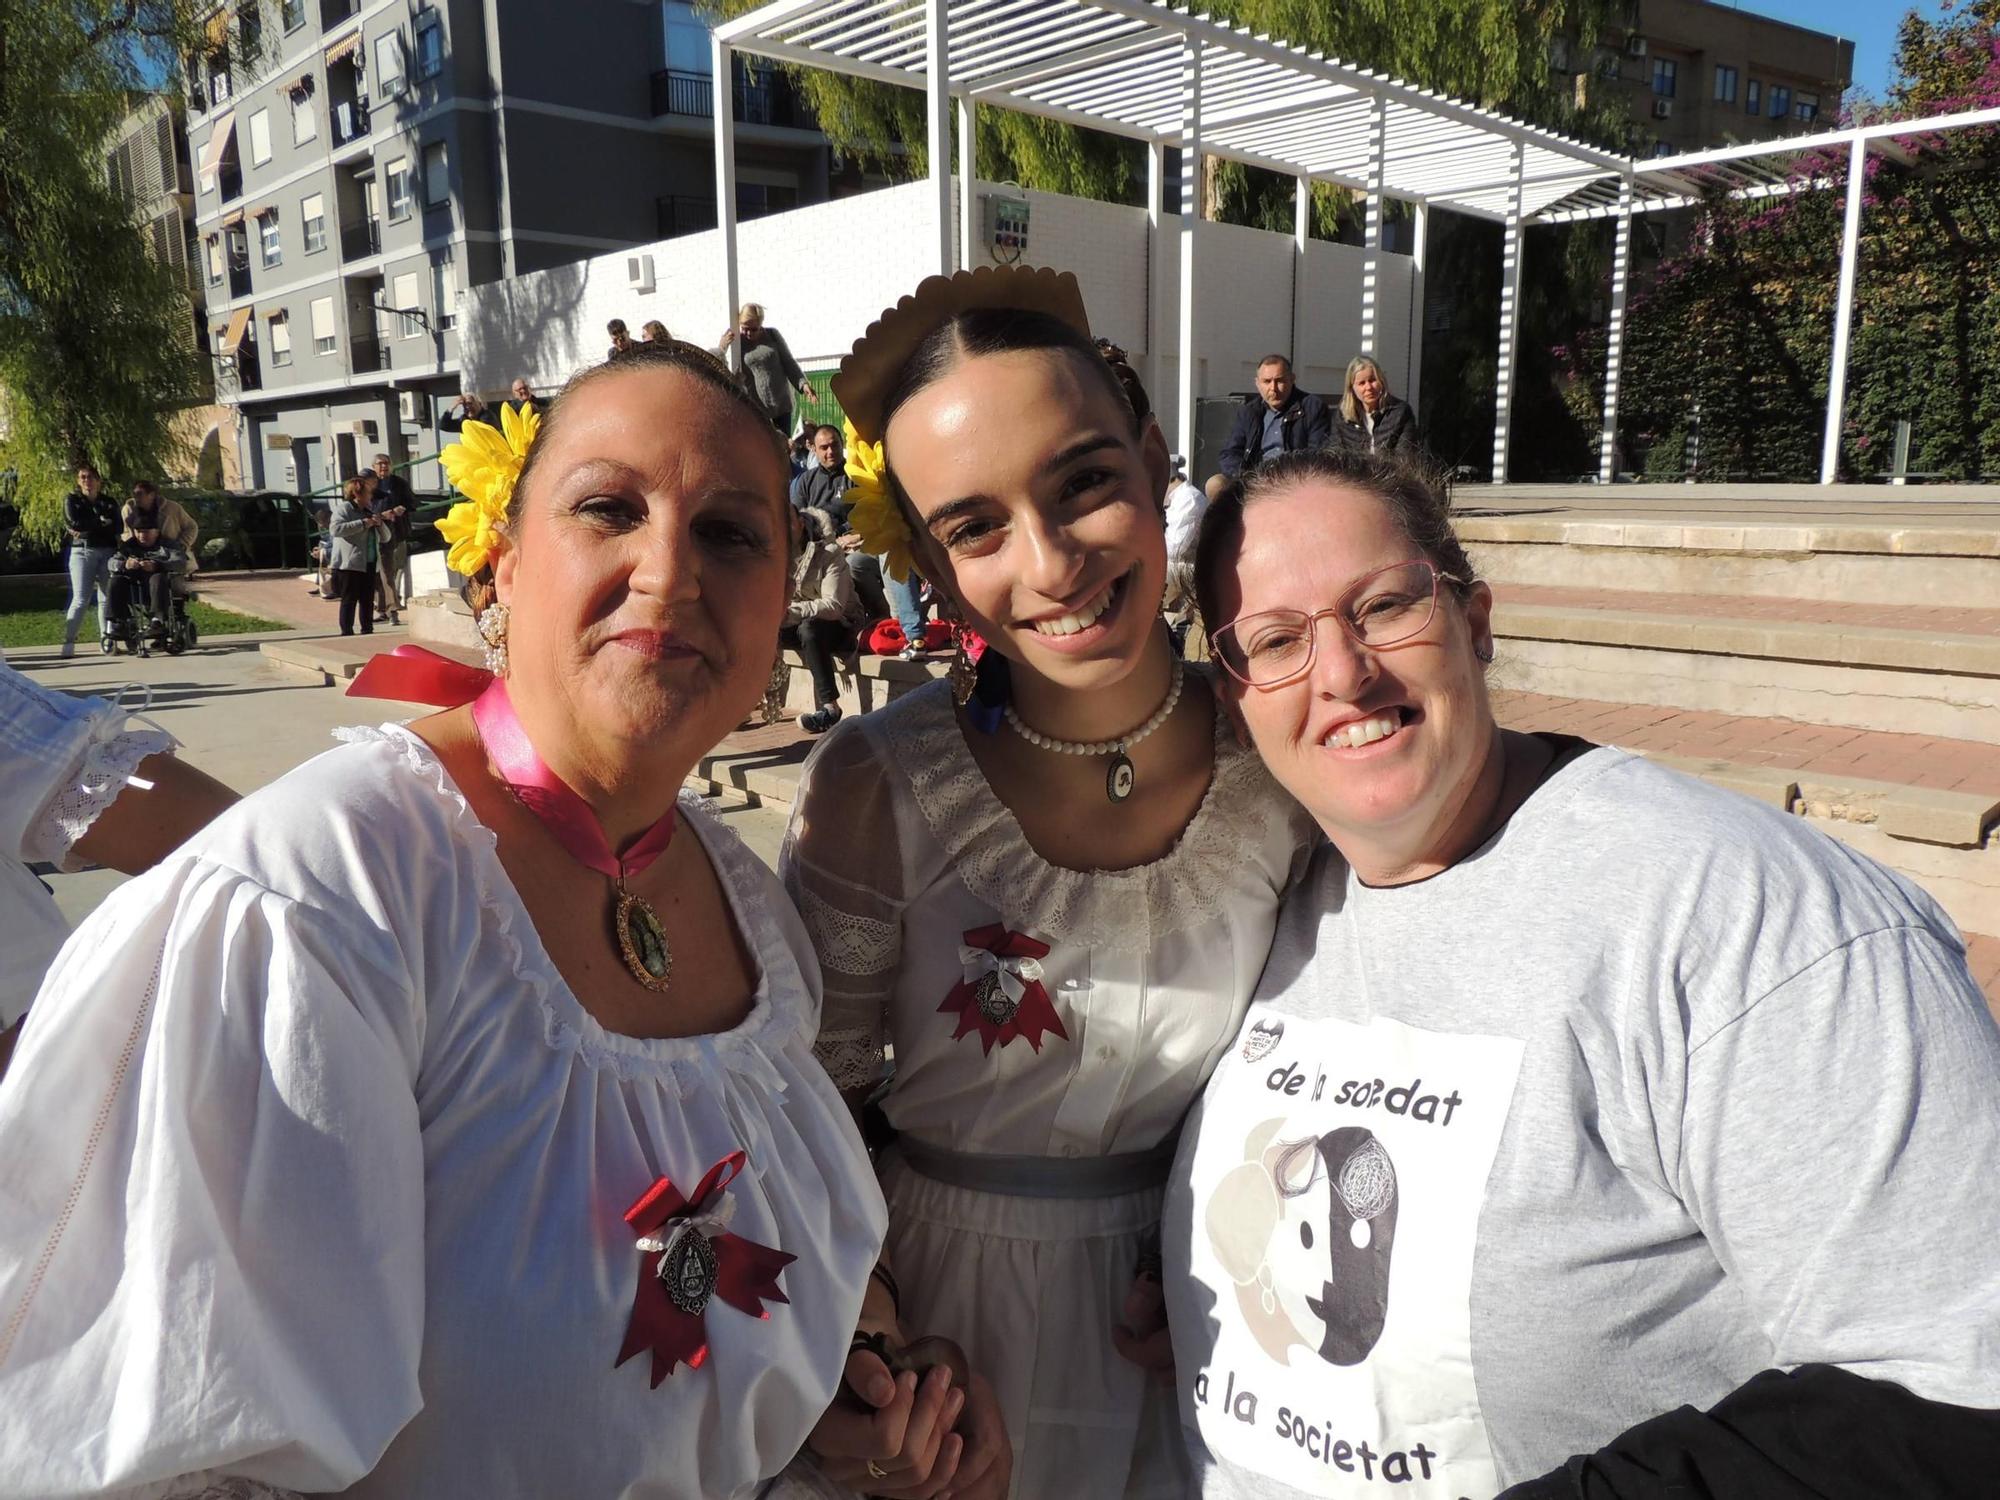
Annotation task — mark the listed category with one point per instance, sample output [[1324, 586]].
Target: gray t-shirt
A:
[[1657, 1089]]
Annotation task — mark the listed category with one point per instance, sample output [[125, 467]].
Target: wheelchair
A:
[[133, 629]]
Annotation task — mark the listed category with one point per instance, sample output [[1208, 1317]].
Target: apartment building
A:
[[358, 164], [146, 162], [1697, 73]]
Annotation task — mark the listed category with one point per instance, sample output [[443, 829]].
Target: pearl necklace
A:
[[1120, 777]]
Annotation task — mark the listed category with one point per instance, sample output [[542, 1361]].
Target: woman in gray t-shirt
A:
[[769, 371], [1578, 1099]]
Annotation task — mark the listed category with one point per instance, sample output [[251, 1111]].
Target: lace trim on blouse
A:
[[692, 1064], [851, 1055], [1242, 812], [110, 756]]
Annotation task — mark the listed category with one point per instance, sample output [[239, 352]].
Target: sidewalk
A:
[[1938, 619]]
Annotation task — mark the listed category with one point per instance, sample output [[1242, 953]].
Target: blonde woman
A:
[[769, 372], [1051, 899], [1371, 420]]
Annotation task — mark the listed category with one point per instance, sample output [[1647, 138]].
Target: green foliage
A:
[[31, 614], [94, 346], [1731, 343]]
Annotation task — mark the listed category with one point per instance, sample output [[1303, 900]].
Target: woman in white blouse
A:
[[377, 1142], [1051, 901]]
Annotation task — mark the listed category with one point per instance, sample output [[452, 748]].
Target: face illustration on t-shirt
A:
[[1337, 1183]]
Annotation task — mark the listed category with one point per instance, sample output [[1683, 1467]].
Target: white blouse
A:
[[900, 850], [63, 760], [316, 1176]]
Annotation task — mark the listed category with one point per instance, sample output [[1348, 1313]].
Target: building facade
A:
[[1697, 74], [359, 164]]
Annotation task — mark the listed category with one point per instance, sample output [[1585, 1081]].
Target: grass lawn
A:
[[32, 615]]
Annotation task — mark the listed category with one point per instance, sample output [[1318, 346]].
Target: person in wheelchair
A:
[[144, 571]]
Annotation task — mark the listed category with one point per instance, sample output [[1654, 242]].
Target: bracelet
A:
[[887, 1277]]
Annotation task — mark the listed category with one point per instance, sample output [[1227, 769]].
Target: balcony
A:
[[359, 241], [238, 372], [366, 356], [761, 99], [675, 215], [229, 179], [333, 12], [239, 280], [350, 121]]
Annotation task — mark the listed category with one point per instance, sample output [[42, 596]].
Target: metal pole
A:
[[1510, 323], [937, 111], [1371, 266], [968, 183], [1190, 222], [1614, 335], [1419, 247], [1156, 325], [1843, 313], [721, 59], [1302, 209]]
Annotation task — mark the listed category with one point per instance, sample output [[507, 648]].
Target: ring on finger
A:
[[876, 1471]]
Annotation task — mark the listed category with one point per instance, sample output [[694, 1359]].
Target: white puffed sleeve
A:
[[211, 1199], [842, 864]]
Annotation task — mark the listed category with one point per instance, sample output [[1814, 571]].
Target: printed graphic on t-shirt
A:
[[1337, 1191]]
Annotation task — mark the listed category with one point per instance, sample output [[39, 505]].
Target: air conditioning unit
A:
[[410, 406], [1636, 46], [639, 272], [1663, 109]]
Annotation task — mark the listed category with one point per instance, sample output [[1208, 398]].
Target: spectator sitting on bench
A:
[[821, 619], [1280, 418], [822, 484]]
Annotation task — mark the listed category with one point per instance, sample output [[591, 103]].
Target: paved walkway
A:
[[1932, 618], [1786, 744], [273, 595]]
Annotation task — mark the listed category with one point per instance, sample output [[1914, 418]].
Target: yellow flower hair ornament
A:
[[872, 510], [484, 465]]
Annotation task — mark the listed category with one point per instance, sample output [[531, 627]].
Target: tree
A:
[[94, 346], [1727, 358]]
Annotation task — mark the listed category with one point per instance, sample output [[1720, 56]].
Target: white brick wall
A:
[[826, 271]]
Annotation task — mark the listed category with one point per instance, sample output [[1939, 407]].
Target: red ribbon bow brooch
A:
[[1001, 996], [689, 1258]]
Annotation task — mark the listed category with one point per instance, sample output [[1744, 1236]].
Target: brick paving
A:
[[273, 594], [1813, 749], [1931, 618]]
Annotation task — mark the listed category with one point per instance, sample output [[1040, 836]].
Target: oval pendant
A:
[[687, 1270], [1120, 778], [993, 1000], [642, 942]]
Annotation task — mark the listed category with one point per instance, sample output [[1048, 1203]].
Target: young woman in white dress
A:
[[1050, 903], [395, 1136]]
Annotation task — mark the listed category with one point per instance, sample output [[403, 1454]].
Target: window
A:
[[1753, 97], [312, 222], [1807, 108], [325, 340], [389, 64], [213, 253], [1725, 85], [429, 33], [437, 181], [293, 13], [405, 290], [260, 138], [268, 246], [281, 338], [249, 31], [1781, 101], [1666, 73], [1663, 149], [398, 173], [444, 291], [238, 245], [686, 37], [218, 78], [305, 117]]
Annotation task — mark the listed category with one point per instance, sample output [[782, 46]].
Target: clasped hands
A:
[[906, 1423]]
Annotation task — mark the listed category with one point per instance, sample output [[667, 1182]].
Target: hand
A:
[[806, 388], [849, 541], [729, 335], [901, 1442], [987, 1468]]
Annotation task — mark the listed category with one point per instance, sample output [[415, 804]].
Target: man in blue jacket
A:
[[1280, 418]]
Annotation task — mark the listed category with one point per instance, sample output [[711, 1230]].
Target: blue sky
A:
[[1870, 24]]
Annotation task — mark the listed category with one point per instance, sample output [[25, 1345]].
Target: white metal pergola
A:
[[1140, 69]]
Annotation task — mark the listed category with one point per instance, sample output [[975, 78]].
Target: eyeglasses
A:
[[1276, 646]]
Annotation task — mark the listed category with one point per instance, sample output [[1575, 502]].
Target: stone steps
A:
[[1928, 670]]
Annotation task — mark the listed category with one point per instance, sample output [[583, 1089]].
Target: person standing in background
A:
[[521, 396], [356, 547], [621, 339], [655, 332], [769, 372], [92, 519], [394, 501]]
